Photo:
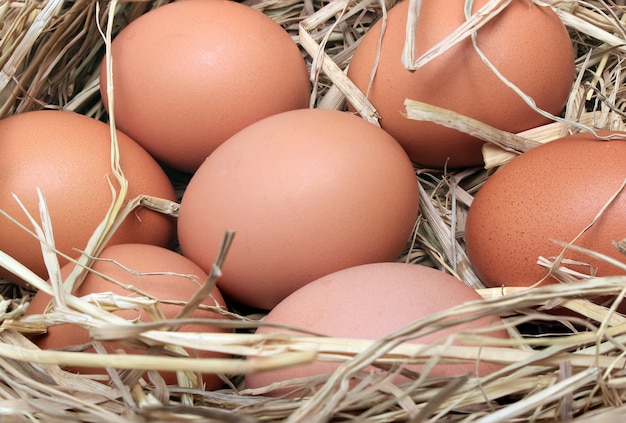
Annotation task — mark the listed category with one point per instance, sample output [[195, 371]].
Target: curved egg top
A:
[[189, 74]]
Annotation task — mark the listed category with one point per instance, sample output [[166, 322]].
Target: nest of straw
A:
[[554, 367]]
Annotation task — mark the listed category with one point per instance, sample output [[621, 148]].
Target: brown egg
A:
[[369, 302], [549, 193], [307, 192], [190, 74], [515, 42], [165, 287], [68, 157]]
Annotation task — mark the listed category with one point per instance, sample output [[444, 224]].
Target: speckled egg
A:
[[68, 156], [369, 302], [307, 192], [169, 277], [189, 74], [515, 42], [551, 192]]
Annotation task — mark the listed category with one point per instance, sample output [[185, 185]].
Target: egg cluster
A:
[[322, 202]]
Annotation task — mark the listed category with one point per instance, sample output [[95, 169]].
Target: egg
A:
[[189, 74], [369, 302], [551, 192], [514, 42], [178, 280], [68, 156], [307, 192]]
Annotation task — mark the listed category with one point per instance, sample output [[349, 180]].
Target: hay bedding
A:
[[554, 367]]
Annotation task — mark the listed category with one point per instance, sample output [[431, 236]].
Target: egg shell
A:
[[307, 192], [369, 302], [551, 192], [166, 287], [188, 75], [68, 156], [515, 42]]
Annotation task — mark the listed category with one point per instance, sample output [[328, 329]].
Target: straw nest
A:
[[49, 56]]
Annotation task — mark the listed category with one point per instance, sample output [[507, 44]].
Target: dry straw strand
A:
[[534, 383]]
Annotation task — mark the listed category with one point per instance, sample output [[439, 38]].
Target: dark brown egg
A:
[[516, 43], [68, 157]]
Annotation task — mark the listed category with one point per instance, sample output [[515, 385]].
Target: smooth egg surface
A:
[[514, 42], [147, 270], [190, 74], [68, 157], [369, 302], [307, 192]]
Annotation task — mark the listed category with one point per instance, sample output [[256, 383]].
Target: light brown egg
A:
[[172, 290], [515, 42], [369, 302], [307, 192], [549, 193], [68, 157], [190, 74]]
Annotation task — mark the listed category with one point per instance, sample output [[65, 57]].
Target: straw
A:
[[50, 54]]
